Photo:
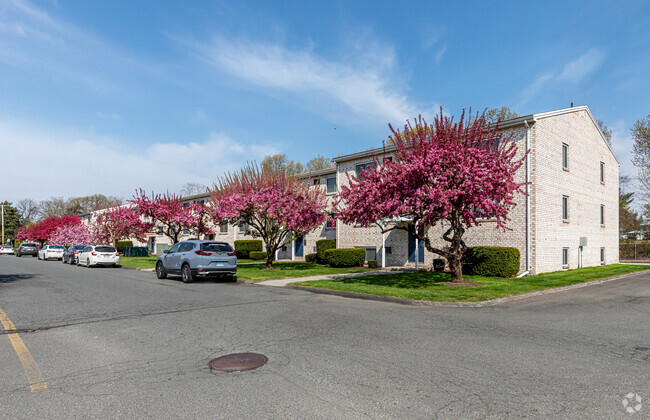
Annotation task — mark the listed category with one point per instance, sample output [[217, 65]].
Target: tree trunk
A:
[[269, 261], [456, 268]]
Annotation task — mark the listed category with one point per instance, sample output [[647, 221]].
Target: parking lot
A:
[[121, 343]]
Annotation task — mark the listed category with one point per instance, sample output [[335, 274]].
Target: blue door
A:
[[299, 247], [412, 249]]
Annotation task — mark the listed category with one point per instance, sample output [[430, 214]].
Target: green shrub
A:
[[122, 244], [372, 264], [310, 258], [258, 255], [350, 257], [243, 248], [323, 245], [491, 261], [439, 264]]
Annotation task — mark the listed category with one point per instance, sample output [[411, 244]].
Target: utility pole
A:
[[3, 224]]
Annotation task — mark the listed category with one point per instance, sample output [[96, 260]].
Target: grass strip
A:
[[430, 286]]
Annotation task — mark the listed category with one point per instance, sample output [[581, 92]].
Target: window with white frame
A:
[[331, 185], [602, 172], [602, 214], [565, 156], [362, 167], [565, 257], [243, 228], [223, 228], [602, 256], [565, 208], [330, 224]]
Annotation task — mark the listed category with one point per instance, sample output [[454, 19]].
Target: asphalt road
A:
[[120, 343]]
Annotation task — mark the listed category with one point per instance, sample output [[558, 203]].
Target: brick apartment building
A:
[[569, 218]]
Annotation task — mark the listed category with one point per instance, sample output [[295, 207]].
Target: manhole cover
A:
[[238, 362]]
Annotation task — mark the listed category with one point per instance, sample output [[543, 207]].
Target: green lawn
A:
[[255, 272], [138, 262], [429, 286]]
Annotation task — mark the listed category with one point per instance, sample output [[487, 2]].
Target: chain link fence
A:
[[637, 251]]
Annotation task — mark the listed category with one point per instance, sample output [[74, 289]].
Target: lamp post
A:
[[3, 223]]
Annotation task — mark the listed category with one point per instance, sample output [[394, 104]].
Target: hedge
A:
[[372, 264], [349, 257], [439, 264], [323, 245], [491, 261], [122, 244], [258, 255], [310, 258], [243, 248]]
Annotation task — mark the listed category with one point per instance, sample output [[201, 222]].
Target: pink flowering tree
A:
[[72, 234], [119, 223], [168, 212], [275, 206], [453, 174], [43, 230]]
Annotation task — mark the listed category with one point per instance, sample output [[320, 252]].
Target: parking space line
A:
[[32, 371]]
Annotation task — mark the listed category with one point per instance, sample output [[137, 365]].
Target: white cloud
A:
[[366, 86], [441, 53], [56, 163], [583, 66], [573, 72]]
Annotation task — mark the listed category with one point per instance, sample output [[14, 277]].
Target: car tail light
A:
[[207, 254], [76, 252], [117, 254], [22, 247], [232, 254], [94, 254]]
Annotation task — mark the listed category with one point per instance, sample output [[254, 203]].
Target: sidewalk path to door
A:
[[284, 282]]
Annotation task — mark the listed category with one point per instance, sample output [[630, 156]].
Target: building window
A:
[[565, 156], [602, 172], [371, 252], [316, 181], [186, 231], [565, 208], [185, 205], [602, 214], [243, 228], [565, 257], [331, 185], [330, 224], [362, 167], [223, 228], [602, 256], [389, 250]]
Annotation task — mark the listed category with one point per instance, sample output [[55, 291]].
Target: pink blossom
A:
[[454, 172]]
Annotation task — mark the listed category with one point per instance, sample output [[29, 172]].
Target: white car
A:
[[98, 255], [6, 250], [51, 252]]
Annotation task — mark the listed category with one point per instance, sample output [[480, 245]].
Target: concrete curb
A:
[[481, 304], [151, 270]]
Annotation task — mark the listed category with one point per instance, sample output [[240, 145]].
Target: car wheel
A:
[[63, 260], [18, 255], [77, 262], [87, 262], [160, 271], [186, 274], [34, 255]]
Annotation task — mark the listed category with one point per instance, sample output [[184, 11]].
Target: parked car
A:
[[192, 259], [6, 250], [70, 254], [51, 252], [98, 255], [27, 248]]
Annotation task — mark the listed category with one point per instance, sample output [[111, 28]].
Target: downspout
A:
[[383, 245], [337, 224], [527, 201]]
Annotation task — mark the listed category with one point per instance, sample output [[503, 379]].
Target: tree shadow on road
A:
[[10, 278]]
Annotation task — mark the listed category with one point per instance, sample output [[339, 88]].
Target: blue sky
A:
[[155, 94]]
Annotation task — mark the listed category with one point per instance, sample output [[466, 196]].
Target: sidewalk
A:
[[284, 282]]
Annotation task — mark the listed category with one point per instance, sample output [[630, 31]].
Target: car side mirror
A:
[[166, 251]]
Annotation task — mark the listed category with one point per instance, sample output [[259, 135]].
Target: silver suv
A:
[[192, 259]]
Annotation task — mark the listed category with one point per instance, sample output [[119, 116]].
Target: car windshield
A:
[[56, 247], [77, 247], [28, 244], [104, 249], [216, 248]]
